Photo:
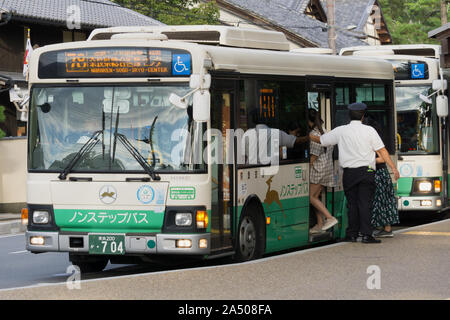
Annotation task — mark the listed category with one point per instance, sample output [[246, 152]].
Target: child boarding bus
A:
[[421, 135], [134, 142]]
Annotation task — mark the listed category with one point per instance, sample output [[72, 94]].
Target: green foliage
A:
[[175, 12], [409, 21], [2, 118]]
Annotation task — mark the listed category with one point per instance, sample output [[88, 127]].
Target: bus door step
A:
[[326, 235]]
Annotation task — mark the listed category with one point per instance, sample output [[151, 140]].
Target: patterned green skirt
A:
[[384, 211]]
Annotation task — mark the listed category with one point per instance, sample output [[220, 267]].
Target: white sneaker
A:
[[330, 222], [315, 229]]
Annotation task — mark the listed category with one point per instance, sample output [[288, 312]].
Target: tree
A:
[[175, 12], [2, 118], [409, 21]]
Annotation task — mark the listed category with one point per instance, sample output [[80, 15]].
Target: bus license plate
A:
[[106, 244]]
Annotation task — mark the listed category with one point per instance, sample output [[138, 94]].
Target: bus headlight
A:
[[183, 219], [37, 241], [426, 203], [41, 217], [425, 186], [183, 243]]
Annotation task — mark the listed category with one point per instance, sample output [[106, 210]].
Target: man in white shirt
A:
[[262, 143], [358, 145]]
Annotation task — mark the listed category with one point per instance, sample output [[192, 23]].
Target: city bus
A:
[[423, 154], [134, 152]]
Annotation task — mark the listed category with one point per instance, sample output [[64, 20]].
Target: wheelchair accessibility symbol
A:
[[417, 71], [181, 64]]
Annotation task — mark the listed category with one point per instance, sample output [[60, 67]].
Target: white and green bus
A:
[[133, 142], [422, 137]]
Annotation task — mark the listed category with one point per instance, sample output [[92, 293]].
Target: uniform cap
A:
[[357, 106]]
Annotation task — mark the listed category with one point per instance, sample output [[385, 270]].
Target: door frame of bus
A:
[[327, 85], [220, 85]]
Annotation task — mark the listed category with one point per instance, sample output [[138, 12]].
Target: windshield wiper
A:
[[150, 140], [87, 147], [137, 155]]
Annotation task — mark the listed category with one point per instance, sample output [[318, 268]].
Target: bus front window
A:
[[417, 122], [63, 119]]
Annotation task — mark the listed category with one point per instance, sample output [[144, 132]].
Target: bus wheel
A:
[[88, 264], [250, 237]]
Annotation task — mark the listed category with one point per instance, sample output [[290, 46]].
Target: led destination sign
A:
[[114, 62]]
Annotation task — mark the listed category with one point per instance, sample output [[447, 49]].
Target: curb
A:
[[11, 227]]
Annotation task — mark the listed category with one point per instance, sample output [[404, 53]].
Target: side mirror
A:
[[425, 99], [45, 108], [202, 105], [442, 106], [24, 116], [178, 101]]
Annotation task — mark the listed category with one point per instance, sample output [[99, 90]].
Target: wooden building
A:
[[304, 22], [443, 35]]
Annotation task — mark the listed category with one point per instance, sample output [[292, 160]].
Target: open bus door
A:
[[321, 98], [222, 199]]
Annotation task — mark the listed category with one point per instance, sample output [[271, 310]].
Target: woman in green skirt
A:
[[384, 209]]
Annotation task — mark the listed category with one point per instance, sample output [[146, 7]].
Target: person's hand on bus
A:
[[396, 174], [314, 138], [383, 153], [303, 139], [295, 132]]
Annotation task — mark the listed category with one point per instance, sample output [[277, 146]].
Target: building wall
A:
[[371, 31], [11, 48], [13, 174], [13, 37]]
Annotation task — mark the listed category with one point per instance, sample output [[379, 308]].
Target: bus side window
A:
[[292, 117], [277, 105]]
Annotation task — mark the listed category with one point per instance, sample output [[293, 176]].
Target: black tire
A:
[[250, 236], [88, 264]]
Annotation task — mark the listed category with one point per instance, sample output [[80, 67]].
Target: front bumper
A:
[[422, 203], [134, 244]]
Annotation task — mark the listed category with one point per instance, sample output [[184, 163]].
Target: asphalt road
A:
[[19, 268]]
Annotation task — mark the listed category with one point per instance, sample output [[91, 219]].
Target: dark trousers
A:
[[359, 189]]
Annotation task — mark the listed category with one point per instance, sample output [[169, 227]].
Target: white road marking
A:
[[61, 275], [12, 235], [18, 252]]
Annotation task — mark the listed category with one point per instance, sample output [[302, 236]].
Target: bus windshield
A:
[[417, 122], [64, 118]]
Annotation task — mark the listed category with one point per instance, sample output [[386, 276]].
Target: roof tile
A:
[[284, 14], [94, 13]]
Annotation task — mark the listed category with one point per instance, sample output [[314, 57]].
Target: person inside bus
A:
[[260, 134], [321, 174], [358, 145]]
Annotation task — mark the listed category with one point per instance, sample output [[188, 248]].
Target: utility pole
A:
[[331, 26], [443, 12]]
